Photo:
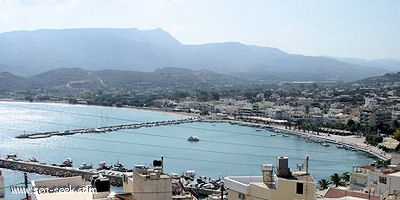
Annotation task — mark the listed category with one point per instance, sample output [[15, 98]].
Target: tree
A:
[[323, 183], [345, 176], [336, 180], [394, 125], [397, 135]]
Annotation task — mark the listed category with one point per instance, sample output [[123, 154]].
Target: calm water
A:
[[223, 150]]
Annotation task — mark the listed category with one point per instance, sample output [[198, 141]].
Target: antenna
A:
[[300, 167], [307, 160]]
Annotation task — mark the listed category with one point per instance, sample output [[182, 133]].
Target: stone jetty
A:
[[107, 128], [47, 169]]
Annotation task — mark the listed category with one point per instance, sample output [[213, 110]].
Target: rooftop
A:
[[342, 194]]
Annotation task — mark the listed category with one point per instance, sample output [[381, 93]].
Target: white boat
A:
[[190, 173], [86, 166], [67, 162], [325, 144], [33, 159], [193, 139]]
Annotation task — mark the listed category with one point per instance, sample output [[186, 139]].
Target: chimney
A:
[[267, 174], [282, 167]]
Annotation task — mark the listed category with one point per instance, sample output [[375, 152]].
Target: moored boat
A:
[[86, 166], [190, 173], [119, 167], [325, 144], [67, 163]]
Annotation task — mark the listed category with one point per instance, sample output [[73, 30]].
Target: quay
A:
[[107, 128], [307, 136], [53, 170]]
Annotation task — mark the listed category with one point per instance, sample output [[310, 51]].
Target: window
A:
[[241, 196], [299, 188], [382, 180], [125, 178]]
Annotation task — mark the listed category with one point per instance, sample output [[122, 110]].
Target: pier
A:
[[53, 170], [107, 128]]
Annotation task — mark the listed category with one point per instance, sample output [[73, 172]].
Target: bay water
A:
[[223, 149]]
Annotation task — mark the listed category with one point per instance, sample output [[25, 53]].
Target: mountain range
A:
[[27, 53]]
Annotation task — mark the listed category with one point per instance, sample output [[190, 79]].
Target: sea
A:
[[223, 149]]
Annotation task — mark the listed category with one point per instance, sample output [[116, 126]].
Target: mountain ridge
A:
[[33, 52]]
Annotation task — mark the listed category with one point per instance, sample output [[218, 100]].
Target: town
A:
[[333, 111]]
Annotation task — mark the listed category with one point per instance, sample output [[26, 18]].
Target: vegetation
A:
[[337, 180], [373, 139], [324, 184], [397, 135]]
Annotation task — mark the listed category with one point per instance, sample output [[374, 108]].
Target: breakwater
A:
[[52, 170], [107, 128]]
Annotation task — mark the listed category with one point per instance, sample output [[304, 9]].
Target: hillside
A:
[[10, 82], [32, 52], [390, 78], [78, 79]]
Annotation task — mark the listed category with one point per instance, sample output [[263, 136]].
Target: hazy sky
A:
[[346, 28]]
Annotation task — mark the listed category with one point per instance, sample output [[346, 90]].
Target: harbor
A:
[[57, 171], [229, 147], [200, 186], [316, 137]]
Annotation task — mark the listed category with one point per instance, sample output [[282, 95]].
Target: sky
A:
[[367, 29]]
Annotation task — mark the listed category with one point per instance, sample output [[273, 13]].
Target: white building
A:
[[149, 184], [70, 188], [282, 185], [389, 183]]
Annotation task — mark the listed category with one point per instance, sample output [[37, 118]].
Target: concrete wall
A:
[[151, 189], [287, 190], [358, 180]]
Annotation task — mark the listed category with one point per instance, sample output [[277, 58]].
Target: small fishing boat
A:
[[86, 166], [67, 163], [190, 173], [340, 146], [119, 167], [33, 159], [193, 139], [324, 144]]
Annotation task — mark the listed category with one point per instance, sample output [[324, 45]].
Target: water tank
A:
[[282, 167], [102, 184], [94, 177]]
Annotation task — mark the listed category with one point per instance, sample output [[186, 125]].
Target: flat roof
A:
[[246, 179], [302, 176]]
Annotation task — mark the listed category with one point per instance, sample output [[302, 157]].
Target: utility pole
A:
[[26, 186], [222, 192]]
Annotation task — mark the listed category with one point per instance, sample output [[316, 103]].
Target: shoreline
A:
[[349, 141], [153, 109]]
